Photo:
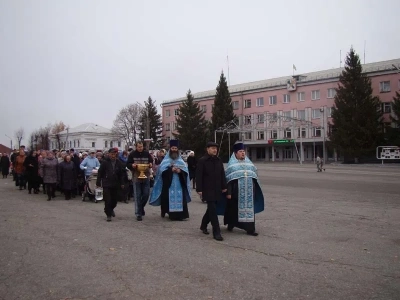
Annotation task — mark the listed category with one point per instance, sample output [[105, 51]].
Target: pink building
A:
[[283, 119]]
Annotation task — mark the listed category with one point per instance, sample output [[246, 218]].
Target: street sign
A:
[[284, 141], [388, 152]]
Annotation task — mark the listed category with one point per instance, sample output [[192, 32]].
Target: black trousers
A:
[[111, 197], [51, 189], [211, 216]]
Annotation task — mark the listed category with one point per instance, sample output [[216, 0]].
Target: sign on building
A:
[[388, 152]]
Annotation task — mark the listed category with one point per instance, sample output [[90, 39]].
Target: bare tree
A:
[[19, 134], [56, 129], [126, 123]]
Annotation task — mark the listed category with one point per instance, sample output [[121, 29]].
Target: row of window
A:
[[76, 143], [385, 86], [286, 98], [288, 133]]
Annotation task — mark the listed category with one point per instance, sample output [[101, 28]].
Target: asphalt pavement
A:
[[328, 235]]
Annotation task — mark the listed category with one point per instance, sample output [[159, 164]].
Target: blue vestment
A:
[[175, 191], [243, 171]]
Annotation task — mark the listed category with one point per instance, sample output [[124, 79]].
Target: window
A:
[[247, 136], [79, 143], [70, 144], [175, 125], [315, 95], [74, 143], [93, 144], [274, 116], [119, 143], [176, 112], [167, 113], [301, 114], [317, 131], [301, 133], [167, 127], [272, 100], [331, 93], [387, 107], [288, 133], [273, 134], [316, 113], [260, 118], [247, 103], [105, 144], [247, 120], [168, 139], [286, 98], [204, 108], [287, 115], [329, 112], [260, 135], [384, 86], [260, 101], [235, 104], [301, 96], [111, 144]]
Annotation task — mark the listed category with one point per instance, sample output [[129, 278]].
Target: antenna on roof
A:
[[365, 44]]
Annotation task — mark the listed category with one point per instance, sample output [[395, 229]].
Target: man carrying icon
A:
[[244, 195], [110, 176], [141, 186], [172, 185]]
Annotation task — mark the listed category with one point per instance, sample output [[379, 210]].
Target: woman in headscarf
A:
[[191, 162], [5, 165], [67, 176], [20, 170], [31, 165], [49, 170]]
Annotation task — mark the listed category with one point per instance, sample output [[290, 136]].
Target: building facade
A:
[[288, 118], [86, 136]]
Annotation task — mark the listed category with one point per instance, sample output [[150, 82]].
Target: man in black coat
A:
[[210, 184], [77, 162], [110, 177]]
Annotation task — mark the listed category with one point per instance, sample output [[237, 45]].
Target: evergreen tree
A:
[[357, 117], [150, 117], [191, 126], [393, 133], [222, 113]]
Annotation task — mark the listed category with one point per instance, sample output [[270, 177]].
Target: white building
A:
[[87, 136]]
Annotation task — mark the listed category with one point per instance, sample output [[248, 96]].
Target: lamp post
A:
[[10, 140], [322, 109]]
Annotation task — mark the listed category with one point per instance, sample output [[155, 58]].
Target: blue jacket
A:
[[90, 163]]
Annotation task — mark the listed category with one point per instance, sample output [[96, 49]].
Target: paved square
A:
[[329, 235]]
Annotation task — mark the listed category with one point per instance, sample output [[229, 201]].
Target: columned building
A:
[[86, 136], [283, 119]]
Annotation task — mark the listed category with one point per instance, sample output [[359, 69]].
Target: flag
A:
[[294, 68]]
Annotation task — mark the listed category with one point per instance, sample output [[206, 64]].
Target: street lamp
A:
[[322, 109], [10, 140]]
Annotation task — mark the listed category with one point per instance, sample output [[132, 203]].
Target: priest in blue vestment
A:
[[172, 185], [244, 197]]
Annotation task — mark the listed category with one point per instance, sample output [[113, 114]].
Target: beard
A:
[[173, 154]]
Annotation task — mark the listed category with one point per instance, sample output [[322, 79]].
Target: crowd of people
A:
[[166, 181]]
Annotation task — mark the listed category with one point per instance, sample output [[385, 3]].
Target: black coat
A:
[[5, 165], [210, 177], [67, 175], [109, 177], [191, 162], [31, 165]]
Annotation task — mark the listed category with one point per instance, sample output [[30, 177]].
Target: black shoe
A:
[[230, 228], [162, 214], [113, 214], [252, 233], [218, 237], [205, 231], [108, 218], [139, 218], [48, 199]]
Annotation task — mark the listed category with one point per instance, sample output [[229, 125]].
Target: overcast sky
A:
[[80, 61]]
